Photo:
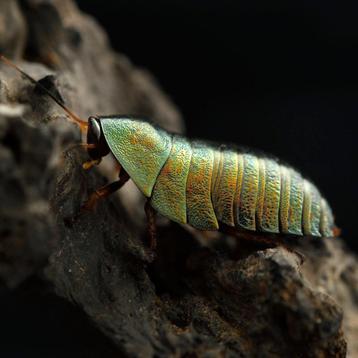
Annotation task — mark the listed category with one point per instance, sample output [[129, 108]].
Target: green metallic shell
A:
[[296, 203], [169, 192], [225, 185], [249, 193], [311, 210], [216, 169], [193, 182], [139, 147], [285, 198], [200, 210], [261, 193], [238, 189], [270, 214]]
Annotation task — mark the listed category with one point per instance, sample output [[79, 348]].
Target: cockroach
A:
[[206, 186]]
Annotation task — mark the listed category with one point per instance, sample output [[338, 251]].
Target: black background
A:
[[278, 76]]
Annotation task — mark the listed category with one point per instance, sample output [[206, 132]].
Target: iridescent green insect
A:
[[205, 186], [208, 187]]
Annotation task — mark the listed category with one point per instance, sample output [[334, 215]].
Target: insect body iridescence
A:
[[195, 183], [203, 185]]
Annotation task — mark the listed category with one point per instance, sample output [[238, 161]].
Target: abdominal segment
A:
[[204, 185]]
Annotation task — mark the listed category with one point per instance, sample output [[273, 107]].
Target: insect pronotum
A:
[[206, 186]]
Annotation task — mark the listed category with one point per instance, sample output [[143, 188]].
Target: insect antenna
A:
[[73, 117]]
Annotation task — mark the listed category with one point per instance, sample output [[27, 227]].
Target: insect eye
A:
[[95, 127]]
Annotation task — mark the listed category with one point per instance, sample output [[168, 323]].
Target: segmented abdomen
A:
[[202, 185]]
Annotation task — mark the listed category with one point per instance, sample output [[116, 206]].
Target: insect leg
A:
[[90, 163], [151, 227], [104, 192]]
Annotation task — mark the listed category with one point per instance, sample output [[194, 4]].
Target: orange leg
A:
[[104, 192]]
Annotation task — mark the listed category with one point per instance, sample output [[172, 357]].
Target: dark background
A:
[[278, 76]]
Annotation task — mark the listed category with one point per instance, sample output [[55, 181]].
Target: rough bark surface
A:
[[198, 298]]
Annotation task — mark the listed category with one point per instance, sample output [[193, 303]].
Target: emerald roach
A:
[[206, 186], [192, 182]]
